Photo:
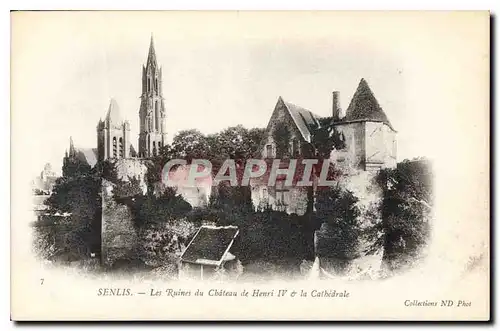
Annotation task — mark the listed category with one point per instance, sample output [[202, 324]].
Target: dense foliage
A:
[[165, 222], [70, 228], [406, 210], [326, 138], [338, 208]]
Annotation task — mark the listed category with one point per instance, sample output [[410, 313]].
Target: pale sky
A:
[[221, 69]]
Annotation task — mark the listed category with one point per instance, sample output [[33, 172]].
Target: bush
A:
[[163, 242], [337, 207], [76, 236]]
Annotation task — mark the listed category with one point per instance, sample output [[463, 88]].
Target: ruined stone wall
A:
[[118, 236], [119, 239], [359, 264]]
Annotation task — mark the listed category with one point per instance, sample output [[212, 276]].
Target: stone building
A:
[[45, 181], [368, 137], [77, 158], [113, 135], [297, 124], [152, 136]]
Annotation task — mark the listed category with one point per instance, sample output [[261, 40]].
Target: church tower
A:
[[113, 135], [152, 135]]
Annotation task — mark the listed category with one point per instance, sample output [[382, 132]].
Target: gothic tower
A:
[[113, 135], [152, 135]]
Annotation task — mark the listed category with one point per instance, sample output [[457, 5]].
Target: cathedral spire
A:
[[152, 110], [151, 53]]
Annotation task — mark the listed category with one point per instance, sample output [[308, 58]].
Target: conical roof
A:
[[365, 107]]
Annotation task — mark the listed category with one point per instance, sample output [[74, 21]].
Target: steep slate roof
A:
[[210, 245], [113, 115], [365, 107], [88, 155], [303, 118]]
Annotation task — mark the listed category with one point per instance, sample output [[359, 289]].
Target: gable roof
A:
[[210, 245], [365, 107], [87, 155], [304, 119]]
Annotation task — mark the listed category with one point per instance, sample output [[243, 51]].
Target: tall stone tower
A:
[[152, 135], [113, 135]]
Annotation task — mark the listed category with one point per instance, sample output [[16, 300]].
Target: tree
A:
[[73, 166], [255, 137], [337, 207], [406, 212], [231, 204], [325, 138], [235, 142], [189, 144], [77, 235]]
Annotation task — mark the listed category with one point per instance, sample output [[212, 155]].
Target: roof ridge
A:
[[304, 126]]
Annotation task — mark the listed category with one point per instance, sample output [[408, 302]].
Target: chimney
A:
[[336, 111]]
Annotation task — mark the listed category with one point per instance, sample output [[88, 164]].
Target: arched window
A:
[[148, 86], [156, 84], [114, 147], [120, 145], [154, 148]]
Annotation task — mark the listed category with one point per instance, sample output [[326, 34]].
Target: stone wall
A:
[[353, 155], [369, 146], [197, 194], [119, 239], [262, 194], [357, 263]]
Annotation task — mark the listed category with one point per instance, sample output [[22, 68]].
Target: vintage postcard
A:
[[250, 165]]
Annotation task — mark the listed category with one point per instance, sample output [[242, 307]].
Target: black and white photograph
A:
[[260, 161]]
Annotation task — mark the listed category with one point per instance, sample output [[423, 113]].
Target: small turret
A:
[[72, 150]]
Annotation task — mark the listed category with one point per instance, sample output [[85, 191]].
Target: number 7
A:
[[41, 281]]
